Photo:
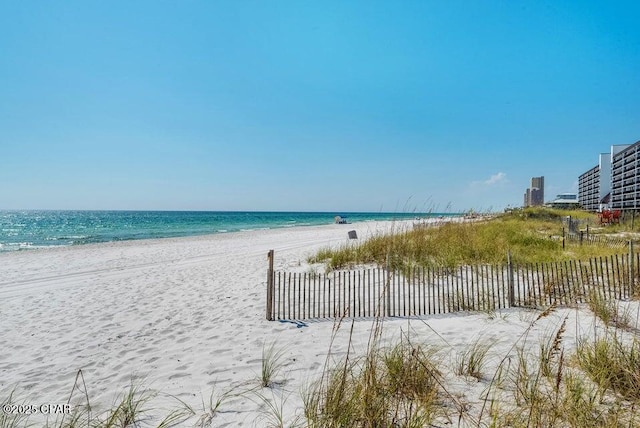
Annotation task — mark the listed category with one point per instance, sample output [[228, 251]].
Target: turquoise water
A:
[[35, 229]]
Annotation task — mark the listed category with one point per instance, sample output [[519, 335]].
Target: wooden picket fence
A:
[[382, 292], [582, 238]]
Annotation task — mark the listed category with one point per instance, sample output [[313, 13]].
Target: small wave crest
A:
[[254, 229], [6, 247]]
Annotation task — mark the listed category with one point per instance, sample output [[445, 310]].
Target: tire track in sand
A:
[[87, 277]]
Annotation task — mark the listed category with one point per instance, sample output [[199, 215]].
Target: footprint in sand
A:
[[178, 376], [10, 366]]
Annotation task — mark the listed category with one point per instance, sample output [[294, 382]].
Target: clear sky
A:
[[300, 105]]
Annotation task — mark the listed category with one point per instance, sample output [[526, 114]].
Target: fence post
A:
[[270, 285], [563, 238], [631, 279], [388, 288], [510, 280]]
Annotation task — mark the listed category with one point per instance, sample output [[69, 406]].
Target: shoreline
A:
[[44, 265], [68, 228]]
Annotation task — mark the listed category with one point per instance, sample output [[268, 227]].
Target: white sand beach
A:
[[186, 318]]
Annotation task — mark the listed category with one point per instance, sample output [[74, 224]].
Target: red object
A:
[[615, 216], [605, 217], [609, 217]]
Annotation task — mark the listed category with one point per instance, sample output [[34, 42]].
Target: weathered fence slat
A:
[[499, 283], [447, 291], [605, 278], [439, 291], [570, 279]]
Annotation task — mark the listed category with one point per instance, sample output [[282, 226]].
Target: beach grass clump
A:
[[531, 235], [272, 363], [392, 387], [210, 409], [274, 414], [10, 418], [550, 391], [576, 404], [613, 364], [130, 409], [608, 311], [472, 360]]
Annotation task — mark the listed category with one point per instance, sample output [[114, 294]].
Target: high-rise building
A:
[[537, 196], [596, 186], [534, 195], [625, 178], [589, 184], [537, 183]]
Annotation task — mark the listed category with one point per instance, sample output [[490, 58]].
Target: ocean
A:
[[21, 230]]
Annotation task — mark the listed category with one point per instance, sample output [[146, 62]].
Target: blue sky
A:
[[299, 105]]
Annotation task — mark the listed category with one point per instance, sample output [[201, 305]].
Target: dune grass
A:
[[210, 409], [130, 409], [272, 363], [548, 390], [407, 384], [613, 364], [532, 235], [11, 419], [608, 311], [388, 387], [472, 360]]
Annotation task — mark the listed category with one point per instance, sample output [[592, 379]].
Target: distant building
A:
[[537, 183], [589, 185], [534, 195], [625, 178], [595, 186], [565, 201]]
